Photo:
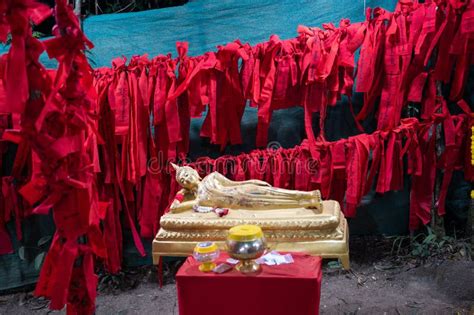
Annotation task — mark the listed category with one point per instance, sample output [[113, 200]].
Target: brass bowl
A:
[[246, 243]]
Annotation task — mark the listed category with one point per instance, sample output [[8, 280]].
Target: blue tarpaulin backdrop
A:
[[208, 23]]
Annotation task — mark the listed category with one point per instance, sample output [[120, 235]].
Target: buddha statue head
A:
[[187, 176]]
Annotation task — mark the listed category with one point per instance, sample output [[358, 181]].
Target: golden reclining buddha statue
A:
[[292, 221]]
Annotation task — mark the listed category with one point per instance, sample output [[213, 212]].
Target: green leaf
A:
[[39, 260], [44, 240], [429, 239], [21, 253], [430, 231], [417, 236], [38, 34]]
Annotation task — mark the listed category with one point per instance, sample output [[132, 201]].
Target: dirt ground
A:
[[378, 283]]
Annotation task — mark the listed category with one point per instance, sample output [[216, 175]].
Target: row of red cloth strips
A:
[[313, 70], [340, 169], [345, 170], [143, 88]]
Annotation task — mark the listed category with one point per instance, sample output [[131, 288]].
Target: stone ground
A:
[[378, 283]]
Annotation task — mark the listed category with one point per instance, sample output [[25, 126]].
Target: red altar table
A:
[[284, 289]]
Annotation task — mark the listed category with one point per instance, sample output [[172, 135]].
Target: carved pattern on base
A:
[[282, 235]]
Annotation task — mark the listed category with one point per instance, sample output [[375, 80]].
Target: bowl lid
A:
[[245, 233], [205, 247]]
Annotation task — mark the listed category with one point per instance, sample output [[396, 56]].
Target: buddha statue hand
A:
[[183, 201]]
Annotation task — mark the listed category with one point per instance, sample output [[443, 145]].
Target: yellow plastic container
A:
[[206, 253]]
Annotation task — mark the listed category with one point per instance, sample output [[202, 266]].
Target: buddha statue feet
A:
[[313, 202]]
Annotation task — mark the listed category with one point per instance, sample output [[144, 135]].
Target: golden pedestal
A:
[[323, 234]]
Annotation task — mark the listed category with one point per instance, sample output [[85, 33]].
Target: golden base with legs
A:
[[324, 234]]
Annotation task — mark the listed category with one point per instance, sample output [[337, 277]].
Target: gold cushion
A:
[[281, 219]]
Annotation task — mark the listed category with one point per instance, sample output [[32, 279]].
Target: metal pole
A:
[[77, 10]]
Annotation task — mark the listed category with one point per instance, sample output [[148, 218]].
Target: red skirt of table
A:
[[284, 289]]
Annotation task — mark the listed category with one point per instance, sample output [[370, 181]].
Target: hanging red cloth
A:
[[399, 42], [422, 186], [139, 118], [15, 20], [357, 165], [326, 69], [455, 142], [320, 49], [274, 80], [66, 149], [370, 65], [213, 79], [119, 96], [166, 118], [222, 123], [462, 47], [340, 177], [7, 207], [109, 205]]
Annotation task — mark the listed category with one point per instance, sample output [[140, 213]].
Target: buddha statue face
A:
[[187, 177]]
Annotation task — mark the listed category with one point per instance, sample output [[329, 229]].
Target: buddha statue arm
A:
[[224, 181], [256, 182], [177, 207]]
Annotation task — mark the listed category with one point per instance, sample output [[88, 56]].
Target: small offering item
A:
[[206, 253], [275, 258], [246, 243], [221, 268]]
